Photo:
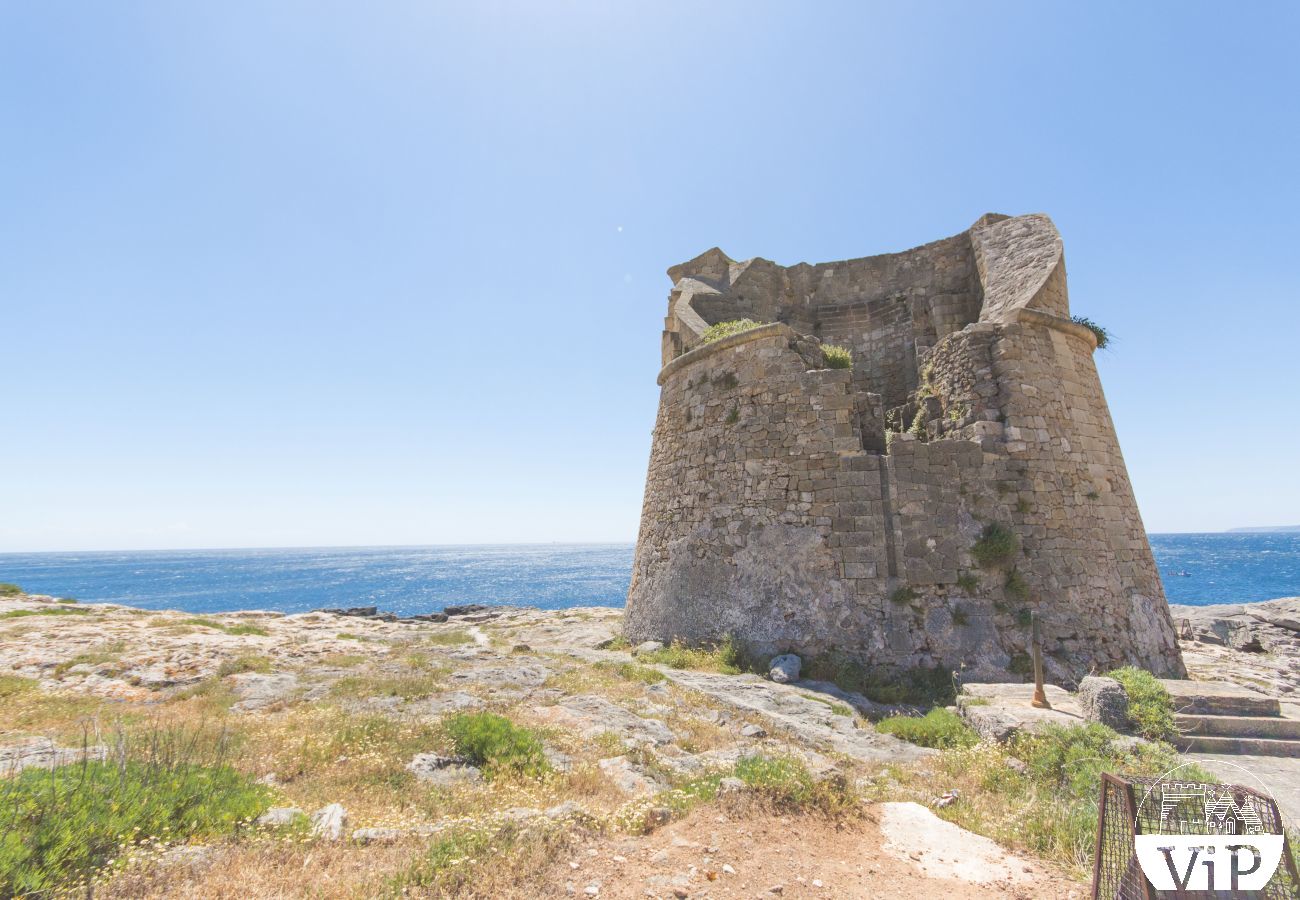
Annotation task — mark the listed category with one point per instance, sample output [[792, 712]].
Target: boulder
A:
[[465, 609], [279, 816], [1104, 700], [444, 771], [648, 647], [628, 778], [784, 668], [329, 822], [364, 612]]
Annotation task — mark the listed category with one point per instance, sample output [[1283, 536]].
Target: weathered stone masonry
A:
[[820, 510]]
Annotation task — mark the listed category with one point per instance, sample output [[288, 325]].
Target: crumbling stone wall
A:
[[802, 508]]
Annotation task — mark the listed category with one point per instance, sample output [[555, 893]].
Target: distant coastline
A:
[[1264, 529]]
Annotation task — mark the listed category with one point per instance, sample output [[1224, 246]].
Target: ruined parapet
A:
[[909, 512]]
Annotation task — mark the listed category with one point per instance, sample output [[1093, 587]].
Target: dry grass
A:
[[270, 870]]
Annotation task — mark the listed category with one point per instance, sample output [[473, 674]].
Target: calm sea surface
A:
[[1220, 568]]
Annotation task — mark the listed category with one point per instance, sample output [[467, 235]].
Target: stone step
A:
[[1238, 746], [1239, 726], [1219, 698]]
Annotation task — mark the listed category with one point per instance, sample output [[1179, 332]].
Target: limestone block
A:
[[784, 668], [1104, 701]]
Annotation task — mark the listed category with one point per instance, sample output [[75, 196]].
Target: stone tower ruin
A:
[[912, 510]]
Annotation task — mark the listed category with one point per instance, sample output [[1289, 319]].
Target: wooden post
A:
[[1040, 696]]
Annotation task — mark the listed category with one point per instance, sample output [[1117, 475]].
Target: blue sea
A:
[[1220, 568]]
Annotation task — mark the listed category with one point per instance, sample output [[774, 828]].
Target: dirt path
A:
[[764, 855]]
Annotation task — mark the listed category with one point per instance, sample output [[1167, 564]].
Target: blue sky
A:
[[322, 273]]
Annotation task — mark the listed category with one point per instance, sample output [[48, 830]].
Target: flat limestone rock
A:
[[941, 849], [1282, 613], [43, 753], [801, 714], [592, 715], [629, 779], [522, 674], [256, 691], [997, 712], [1219, 698]]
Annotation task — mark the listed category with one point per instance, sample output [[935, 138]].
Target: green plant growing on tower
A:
[[1103, 336], [727, 329], [996, 545], [837, 357]]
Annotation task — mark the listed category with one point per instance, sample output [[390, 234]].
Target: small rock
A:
[[728, 869], [730, 785], [566, 810], [657, 816], [776, 889], [592, 890], [647, 647], [194, 858], [753, 731], [784, 668], [680, 893], [329, 822], [433, 768], [279, 816], [377, 835]]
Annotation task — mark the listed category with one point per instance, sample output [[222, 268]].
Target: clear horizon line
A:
[[627, 543], [569, 543]]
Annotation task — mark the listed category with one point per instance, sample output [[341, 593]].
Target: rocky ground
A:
[[1256, 645], [340, 716]]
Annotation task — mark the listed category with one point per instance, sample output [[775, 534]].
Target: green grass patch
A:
[[837, 357], [423, 683], [61, 827], [939, 728], [450, 638], [109, 653], [237, 630], [725, 657], [785, 783], [347, 660], [1150, 707], [66, 600], [8, 589], [996, 546], [633, 672], [496, 744], [968, 582], [727, 329], [47, 611], [1015, 586], [244, 662], [903, 596], [13, 685], [1049, 806]]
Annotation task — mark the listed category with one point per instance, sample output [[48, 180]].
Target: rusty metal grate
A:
[[1154, 806]]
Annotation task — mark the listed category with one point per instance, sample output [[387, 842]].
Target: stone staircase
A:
[[1219, 717]]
